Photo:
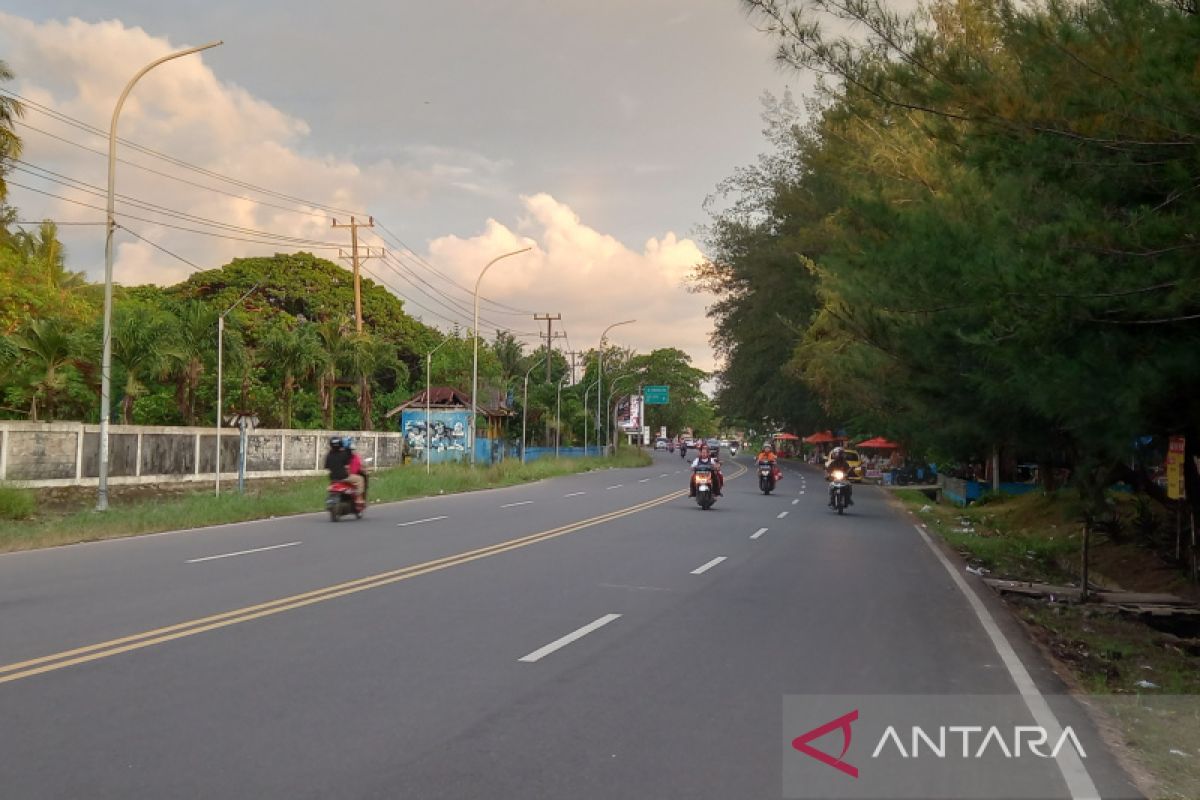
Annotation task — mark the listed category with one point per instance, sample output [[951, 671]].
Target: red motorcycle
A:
[[341, 500]]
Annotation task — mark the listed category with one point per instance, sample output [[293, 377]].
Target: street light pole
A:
[[525, 405], [220, 368], [475, 357], [600, 372], [428, 408], [558, 415], [110, 225], [586, 392], [609, 417]]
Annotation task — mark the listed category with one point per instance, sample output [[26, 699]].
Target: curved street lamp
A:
[[586, 392], [558, 415], [110, 224], [525, 404], [609, 416], [600, 371], [475, 357]]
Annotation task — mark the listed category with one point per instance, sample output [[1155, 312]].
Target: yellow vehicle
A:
[[855, 462]]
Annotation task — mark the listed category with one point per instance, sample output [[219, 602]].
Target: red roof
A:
[[879, 443]]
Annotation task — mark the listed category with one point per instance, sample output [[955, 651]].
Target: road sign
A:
[[656, 395]]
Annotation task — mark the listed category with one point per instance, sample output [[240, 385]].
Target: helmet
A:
[[837, 452], [767, 447], [335, 442], [348, 443]]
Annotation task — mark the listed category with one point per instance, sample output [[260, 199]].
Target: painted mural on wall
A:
[[446, 437]]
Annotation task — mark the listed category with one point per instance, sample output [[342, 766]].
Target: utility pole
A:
[[357, 259], [572, 355], [549, 319]]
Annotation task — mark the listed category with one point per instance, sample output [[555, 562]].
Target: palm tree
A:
[[368, 357], [197, 325], [510, 352], [46, 258], [10, 109], [145, 342], [335, 356], [297, 355], [45, 348]]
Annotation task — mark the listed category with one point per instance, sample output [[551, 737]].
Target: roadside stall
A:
[[877, 468], [822, 442], [785, 444]]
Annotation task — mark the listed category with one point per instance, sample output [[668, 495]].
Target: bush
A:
[[16, 503]]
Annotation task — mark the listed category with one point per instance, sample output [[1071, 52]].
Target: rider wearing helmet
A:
[[768, 454], [358, 473], [337, 460], [837, 461]]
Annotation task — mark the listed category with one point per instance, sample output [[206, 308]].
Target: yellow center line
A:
[[94, 652]]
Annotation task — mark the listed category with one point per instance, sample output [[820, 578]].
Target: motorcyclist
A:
[[837, 461], [357, 471], [683, 448], [768, 454], [706, 460], [337, 461]]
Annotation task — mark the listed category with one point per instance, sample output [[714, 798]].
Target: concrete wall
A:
[[68, 453]]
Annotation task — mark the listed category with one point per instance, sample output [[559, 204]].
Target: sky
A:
[[588, 131]]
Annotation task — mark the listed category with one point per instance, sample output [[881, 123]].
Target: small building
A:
[[443, 426]]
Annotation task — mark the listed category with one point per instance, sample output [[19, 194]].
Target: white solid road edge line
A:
[[240, 553], [419, 521], [758, 533], [518, 503], [1079, 782], [558, 644], [709, 565]]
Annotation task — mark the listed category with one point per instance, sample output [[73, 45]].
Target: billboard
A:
[[630, 413], [446, 437]]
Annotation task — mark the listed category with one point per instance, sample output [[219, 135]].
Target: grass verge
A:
[[1144, 681], [198, 507]]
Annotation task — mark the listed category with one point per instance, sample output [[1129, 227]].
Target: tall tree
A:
[[295, 355], [46, 349]]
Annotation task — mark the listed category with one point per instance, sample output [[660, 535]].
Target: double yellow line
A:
[[94, 652]]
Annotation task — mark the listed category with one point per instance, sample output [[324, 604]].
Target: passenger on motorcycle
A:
[[357, 470], [705, 460], [837, 461], [337, 461]]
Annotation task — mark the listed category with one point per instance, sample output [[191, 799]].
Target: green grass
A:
[[16, 503], [201, 508]]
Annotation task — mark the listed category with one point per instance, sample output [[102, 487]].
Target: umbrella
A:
[[879, 443], [824, 437], [786, 436]]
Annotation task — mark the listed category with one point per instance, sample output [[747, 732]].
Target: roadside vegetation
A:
[[1143, 673], [150, 509]]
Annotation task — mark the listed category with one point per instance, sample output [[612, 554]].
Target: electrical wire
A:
[[92, 129]]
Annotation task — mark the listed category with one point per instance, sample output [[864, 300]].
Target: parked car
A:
[[660, 444]]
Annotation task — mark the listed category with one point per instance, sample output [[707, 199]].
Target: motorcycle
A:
[[341, 499], [766, 476], [703, 478], [839, 491], [683, 452]]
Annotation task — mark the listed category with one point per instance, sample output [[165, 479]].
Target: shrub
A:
[[16, 503]]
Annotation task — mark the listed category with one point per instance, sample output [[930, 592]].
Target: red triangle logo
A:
[[843, 724]]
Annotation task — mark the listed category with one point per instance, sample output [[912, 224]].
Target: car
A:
[[660, 444], [855, 462], [714, 447]]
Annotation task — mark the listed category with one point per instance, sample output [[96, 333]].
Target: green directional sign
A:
[[656, 395]]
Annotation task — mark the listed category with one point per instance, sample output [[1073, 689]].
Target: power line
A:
[[400, 243], [169, 176], [92, 129], [158, 221], [154, 208], [160, 247]]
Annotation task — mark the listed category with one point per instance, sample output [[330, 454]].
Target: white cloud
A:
[[591, 278], [182, 109]]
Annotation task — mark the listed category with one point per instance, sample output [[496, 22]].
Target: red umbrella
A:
[[879, 443], [786, 436], [824, 437]]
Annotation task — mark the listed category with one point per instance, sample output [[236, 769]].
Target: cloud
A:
[[182, 109], [589, 277]]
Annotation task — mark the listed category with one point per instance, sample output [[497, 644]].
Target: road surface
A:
[[595, 636]]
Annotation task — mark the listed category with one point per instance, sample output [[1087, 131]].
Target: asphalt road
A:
[[596, 636]]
